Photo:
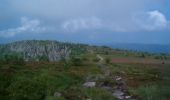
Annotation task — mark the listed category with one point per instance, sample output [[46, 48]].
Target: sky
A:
[[86, 21]]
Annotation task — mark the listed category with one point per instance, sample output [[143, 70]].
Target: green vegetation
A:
[[98, 94], [11, 58], [153, 92], [108, 60], [40, 80]]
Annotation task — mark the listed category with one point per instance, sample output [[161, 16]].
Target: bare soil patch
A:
[[139, 60]]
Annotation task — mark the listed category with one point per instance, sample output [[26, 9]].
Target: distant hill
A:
[[48, 50], [42, 50], [151, 48]]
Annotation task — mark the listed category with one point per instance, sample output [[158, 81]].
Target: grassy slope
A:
[[35, 81], [146, 77]]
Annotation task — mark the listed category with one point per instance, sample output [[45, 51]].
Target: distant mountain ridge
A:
[[151, 48], [41, 49], [37, 50]]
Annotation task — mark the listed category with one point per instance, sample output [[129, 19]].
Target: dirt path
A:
[[105, 69], [101, 58], [118, 90]]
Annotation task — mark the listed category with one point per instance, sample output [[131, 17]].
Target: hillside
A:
[[152, 48], [51, 70], [42, 50]]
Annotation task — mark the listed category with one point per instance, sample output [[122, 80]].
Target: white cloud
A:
[[92, 23], [112, 15], [158, 18], [27, 26], [146, 21], [151, 21], [82, 23]]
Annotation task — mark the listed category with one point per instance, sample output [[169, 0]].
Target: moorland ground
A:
[[146, 76]]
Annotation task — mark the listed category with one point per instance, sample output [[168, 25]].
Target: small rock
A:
[[118, 78], [121, 83], [118, 94], [120, 97], [89, 84], [57, 94], [127, 97], [89, 99]]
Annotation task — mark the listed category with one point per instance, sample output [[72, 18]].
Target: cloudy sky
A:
[[87, 21]]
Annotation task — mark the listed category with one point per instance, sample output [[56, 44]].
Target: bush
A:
[[12, 59], [153, 92], [43, 58], [66, 62], [27, 89], [96, 59], [98, 94], [76, 61], [108, 60], [4, 83], [142, 55]]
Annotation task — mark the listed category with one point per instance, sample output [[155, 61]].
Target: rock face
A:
[[41, 50]]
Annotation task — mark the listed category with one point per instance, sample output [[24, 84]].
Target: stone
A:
[[57, 94], [89, 84], [120, 97], [118, 94], [118, 78], [127, 97], [89, 99]]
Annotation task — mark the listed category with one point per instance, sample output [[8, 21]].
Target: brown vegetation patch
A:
[[139, 60]]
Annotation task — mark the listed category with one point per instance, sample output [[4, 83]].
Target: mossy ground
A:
[[40, 80]]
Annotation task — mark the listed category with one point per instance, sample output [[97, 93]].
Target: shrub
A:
[[43, 58], [108, 60], [142, 55], [96, 59], [26, 88], [12, 59], [76, 61], [153, 92], [98, 94]]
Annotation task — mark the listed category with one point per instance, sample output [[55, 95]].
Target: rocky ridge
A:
[[35, 50]]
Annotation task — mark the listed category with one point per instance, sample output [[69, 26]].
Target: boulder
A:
[[118, 94], [89, 84], [57, 94]]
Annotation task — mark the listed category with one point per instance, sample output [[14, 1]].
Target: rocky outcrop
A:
[[37, 50]]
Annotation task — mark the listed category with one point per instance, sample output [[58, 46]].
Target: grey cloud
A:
[[151, 21], [143, 21], [82, 23], [59, 9], [27, 26], [75, 15]]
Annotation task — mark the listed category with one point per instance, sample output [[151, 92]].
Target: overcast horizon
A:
[[86, 21]]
